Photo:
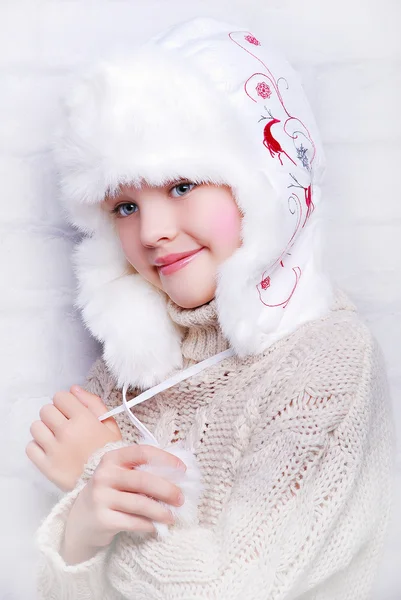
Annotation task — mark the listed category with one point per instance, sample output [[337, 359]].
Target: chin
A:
[[188, 297]]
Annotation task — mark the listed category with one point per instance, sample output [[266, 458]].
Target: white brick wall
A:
[[349, 54]]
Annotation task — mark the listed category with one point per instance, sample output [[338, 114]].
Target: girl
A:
[[259, 462]]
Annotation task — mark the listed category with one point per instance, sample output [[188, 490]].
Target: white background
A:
[[349, 55]]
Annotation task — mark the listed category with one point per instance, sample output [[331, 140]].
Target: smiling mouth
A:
[[175, 265]]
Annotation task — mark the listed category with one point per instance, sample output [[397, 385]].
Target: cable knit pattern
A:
[[295, 448]]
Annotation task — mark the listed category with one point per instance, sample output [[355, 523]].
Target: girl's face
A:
[[177, 235]]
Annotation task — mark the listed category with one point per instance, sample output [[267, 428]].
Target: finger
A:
[[42, 435], [141, 506], [91, 401], [52, 417], [95, 405], [141, 454], [121, 521], [143, 482], [67, 404], [36, 454]]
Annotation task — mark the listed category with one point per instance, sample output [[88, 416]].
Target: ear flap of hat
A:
[[120, 309], [254, 321]]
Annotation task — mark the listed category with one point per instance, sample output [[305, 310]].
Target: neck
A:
[[202, 336]]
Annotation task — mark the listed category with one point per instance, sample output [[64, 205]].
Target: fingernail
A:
[[77, 389], [182, 466], [181, 499]]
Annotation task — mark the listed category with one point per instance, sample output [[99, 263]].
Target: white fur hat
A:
[[209, 102]]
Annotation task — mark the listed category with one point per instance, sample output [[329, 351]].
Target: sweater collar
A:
[[202, 335]]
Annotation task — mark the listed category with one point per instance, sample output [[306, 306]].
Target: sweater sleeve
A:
[[56, 579], [86, 581], [310, 504]]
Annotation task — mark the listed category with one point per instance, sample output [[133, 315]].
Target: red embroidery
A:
[[272, 83], [308, 200], [298, 133], [275, 86], [263, 90], [284, 303], [265, 283], [252, 40], [271, 143], [294, 206], [269, 74], [310, 207]]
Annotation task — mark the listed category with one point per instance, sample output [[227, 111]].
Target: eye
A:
[[125, 209], [182, 188]]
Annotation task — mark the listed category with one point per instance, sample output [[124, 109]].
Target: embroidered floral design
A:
[[291, 285], [252, 40], [263, 90], [281, 136], [265, 283]]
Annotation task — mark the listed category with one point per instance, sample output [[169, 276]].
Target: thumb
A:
[[94, 404]]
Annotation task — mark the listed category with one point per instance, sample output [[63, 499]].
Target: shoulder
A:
[[338, 350], [328, 353], [328, 367], [338, 345], [338, 355]]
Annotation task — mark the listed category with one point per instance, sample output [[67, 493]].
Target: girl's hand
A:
[[120, 497], [67, 434]]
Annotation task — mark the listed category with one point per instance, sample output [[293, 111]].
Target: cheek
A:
[[225, 228], [135, 253], [132, 248]]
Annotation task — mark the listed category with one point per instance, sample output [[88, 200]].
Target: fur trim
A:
[[141, 345], [116, 131], [211, 103]]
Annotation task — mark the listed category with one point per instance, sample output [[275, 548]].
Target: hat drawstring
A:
[[164, 385]]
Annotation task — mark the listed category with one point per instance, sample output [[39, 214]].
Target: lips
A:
[[174, 262]]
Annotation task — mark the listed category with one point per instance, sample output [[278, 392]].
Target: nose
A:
[[158, 223]]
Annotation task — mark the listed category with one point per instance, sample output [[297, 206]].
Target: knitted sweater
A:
[[295, 449]]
